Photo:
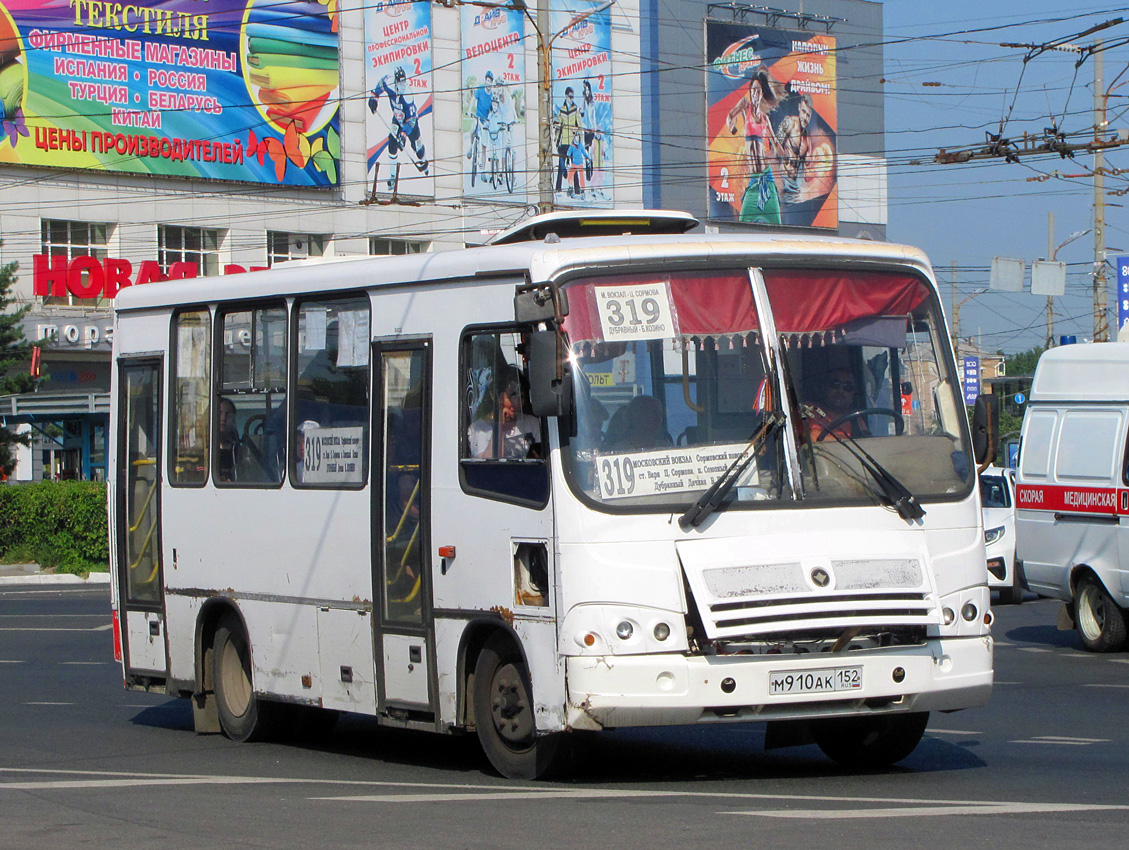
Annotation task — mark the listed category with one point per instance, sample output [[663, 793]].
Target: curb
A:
[[51, 578]]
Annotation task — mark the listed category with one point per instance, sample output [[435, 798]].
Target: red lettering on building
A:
[[89, 277]]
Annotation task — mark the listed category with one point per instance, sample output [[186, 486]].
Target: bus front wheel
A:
[[243, 716], [504, 716], [870, 742]]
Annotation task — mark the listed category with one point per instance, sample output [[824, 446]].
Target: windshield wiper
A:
[[903, 501], [713, 497]]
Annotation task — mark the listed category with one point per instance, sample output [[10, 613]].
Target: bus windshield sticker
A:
[[636, 311], [332, 455], [678, 470]]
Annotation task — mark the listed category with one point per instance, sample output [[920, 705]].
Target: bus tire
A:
[[868, 743], [504, 718], [243, 716], [1099, 620]]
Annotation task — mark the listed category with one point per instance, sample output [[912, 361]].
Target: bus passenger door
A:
[[140, 591], [401, 528]]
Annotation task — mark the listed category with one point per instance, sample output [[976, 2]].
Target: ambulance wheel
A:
[[504, 716], [867, 743], [1100, 622], [243, 716]]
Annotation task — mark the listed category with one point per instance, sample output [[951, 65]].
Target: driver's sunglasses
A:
[[845, 386]]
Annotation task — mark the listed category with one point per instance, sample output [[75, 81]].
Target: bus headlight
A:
[[616, 629]]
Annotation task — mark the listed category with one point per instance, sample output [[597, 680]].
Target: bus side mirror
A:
[[550, 378], [985, 428]]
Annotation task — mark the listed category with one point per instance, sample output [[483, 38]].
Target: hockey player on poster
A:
[[404, 128]]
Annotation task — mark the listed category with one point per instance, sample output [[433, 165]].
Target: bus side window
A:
[[188, 459], [331, 387], [502, 443], [252, 386]]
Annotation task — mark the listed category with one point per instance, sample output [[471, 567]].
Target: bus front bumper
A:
[[657, 690]]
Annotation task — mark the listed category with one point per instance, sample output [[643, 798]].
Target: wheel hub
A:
[[510, 705]]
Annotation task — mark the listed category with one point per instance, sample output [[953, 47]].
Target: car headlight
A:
[[991, 535]]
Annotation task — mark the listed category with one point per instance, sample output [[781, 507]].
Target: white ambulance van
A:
[[1072, 489]]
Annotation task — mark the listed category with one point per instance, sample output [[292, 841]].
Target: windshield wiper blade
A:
[[899, 496], [713, 497]]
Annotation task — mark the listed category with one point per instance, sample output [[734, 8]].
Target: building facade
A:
[[168, 138]]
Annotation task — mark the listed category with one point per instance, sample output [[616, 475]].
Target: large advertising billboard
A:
[[771, 125], [583, 144], [399, 124], [493, 70], [242, 90]]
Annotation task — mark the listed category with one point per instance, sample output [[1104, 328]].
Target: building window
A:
[[293, 246], [72, 239], [378, 246], [189, 245]]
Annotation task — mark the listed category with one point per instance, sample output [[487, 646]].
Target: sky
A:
[[949, 79]]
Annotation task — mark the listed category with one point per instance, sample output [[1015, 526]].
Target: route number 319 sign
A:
[[636, 312]]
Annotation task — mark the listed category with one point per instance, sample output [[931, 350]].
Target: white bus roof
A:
[[1083, 372], [539, 260]]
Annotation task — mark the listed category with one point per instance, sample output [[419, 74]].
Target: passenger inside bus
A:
[[637, 426], [502, 426], [227, 440]]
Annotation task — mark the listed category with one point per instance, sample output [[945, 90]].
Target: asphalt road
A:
[[84, 763]]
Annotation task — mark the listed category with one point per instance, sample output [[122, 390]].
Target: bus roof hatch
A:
[[575, 223]]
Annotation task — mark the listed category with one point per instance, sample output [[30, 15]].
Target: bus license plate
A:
[[815, 681]]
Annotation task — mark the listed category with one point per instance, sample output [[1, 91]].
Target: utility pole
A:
[[1101, 327], [1050, 298]]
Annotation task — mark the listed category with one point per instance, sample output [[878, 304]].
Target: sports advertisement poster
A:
[[582, 141], [243, 90], [495, 162], [400, 119], [771, 124]]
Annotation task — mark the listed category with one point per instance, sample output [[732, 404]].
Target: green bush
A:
[[56, 524]]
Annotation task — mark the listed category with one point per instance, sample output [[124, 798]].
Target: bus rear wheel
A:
[[870, 742], [504, 716], [243, 716]]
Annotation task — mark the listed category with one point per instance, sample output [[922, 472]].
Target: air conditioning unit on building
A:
[[299, 247]]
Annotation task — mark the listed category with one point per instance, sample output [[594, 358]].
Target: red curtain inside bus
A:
[[803, 301]]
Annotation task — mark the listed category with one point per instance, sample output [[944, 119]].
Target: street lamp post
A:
[[956, 319], [1078, 234], [541, 24]]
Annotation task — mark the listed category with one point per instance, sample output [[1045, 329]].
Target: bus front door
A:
[[141, 610], [401, 529]]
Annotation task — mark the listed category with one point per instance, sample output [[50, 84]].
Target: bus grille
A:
[[791, 597]]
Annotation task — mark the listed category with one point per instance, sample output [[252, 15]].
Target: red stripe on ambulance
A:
[[1079, 500]]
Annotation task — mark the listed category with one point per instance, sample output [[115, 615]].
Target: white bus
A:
[[599, 473]]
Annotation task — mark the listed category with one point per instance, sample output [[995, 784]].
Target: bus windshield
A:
[[672, 381]]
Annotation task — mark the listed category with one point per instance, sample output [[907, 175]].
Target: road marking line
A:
[[1034, 649], [86, 663], [1071, 738], [1060, 743], [927, 811], [6, 661], [998, 682], [1105, 686], [952, 732], [430, 791], [99, 629], [48, 703], [527, 794], [1119, 660]]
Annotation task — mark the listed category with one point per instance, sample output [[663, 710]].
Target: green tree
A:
[[1023, 363], [15, 353]]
